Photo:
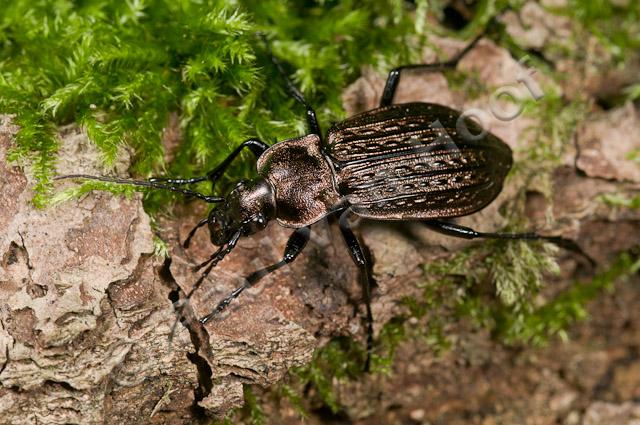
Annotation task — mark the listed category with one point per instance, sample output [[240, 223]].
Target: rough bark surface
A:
[[85, 314], [86, 308]]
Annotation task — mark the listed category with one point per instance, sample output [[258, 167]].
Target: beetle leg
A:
[[256, 146], [213, 260], [296, 243], [394, 75], [458, 231], [357, 254], [193, 231], [312, 120]]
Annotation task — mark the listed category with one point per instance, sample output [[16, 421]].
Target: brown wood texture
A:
[[86, 309]]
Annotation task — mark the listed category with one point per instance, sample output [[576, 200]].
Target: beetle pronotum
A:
[[390, 163]]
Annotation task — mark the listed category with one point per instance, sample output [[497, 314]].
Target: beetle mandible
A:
[[389, 163]]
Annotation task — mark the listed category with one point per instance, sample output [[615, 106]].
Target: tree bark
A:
[[87, 309]]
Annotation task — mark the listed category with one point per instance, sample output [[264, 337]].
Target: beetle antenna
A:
[[144, 183]]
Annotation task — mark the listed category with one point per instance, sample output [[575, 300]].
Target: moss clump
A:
[[617, 200], [254, 411], [553, 317], [466, 287], [119, 68], [615, 24], [515, 315]]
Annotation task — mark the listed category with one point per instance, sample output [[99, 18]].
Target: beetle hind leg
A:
[[394, 75], [458, 231], [357, 254]]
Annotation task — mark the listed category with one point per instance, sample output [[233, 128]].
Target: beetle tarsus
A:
[[222, 305], [215, 258]]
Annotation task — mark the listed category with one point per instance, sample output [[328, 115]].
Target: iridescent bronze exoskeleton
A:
[[398, 162]]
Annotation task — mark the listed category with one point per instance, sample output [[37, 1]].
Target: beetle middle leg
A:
[[357, 254], [458, 231], [296, 243], [394, 75]]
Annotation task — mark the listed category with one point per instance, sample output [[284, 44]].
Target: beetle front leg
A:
[[394, 75], [458, 231], [193, 231], [213, 260], [256, 146], [357, 254], [296, 243]]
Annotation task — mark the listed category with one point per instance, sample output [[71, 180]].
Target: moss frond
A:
[[75, 192]]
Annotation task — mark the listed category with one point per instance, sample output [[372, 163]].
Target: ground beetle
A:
[[390, 163]]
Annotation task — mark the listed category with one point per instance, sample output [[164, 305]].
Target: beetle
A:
[[397, 162]]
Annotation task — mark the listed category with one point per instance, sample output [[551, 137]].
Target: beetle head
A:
[[247, 208]]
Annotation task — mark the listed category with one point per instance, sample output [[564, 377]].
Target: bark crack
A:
[[184, 316]]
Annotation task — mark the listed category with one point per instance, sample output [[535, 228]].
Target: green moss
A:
[[634, 155], [229, 418], [252, 408], [465, 287], [468, 83], [488, 279], [537, 324], [119, 68], [392, 334], [295, 398], [616, 200], [632, 92], [160, 248], [549, 141], [615, 24], [342, 358], [513, 312]]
